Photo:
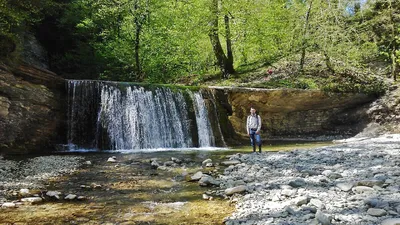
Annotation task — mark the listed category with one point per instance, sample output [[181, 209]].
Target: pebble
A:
[[376, 212], [345, 186], [238, 189], [111, 160], [197, 176], [55, 194], [32, 199], [70, 197], [8, 205], [24, 192]]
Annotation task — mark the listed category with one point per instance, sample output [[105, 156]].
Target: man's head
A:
[[252, 111]]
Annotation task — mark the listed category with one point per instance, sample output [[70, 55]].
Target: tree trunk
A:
[[304, 42], [137, 58], [394, 64], [222, 60], [138, 25], [328, 63], [394, 46], [228, 41]]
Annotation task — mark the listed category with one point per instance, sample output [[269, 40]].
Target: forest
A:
[[336, 45]]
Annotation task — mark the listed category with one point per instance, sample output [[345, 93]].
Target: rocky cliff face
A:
[[296, 113], [384, 114], [31, 109]]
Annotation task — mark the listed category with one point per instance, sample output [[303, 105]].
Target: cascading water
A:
[[112, 115], [206, 137]]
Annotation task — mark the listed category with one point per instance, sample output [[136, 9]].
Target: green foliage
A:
[[167, 41], [18, 15], [355, 84]]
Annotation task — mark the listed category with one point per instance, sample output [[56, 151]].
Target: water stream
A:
[[121, 116]]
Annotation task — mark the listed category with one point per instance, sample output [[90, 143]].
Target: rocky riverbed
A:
[[104, 188], [33, 173], [355, 182]]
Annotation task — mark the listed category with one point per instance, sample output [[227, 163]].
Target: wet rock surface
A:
[[356, 182]]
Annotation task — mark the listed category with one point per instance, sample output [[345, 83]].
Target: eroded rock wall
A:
[[32, 113], [291, 113]]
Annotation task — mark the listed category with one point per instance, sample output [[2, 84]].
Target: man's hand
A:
[[257, 132], [248, 134]]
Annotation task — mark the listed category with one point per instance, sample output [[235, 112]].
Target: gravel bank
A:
[[356, 182], [32, 173]]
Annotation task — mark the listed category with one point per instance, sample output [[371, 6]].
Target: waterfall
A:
[[113, 115], [206, 137], [82, 111]]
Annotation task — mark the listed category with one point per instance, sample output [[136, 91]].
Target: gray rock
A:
[[81, 198], [311, 172], [230, 162], [207, 181], [326, 172], [308, 216], [8, 205], [162, 168], [391, 221], [176, 160], [389, 181], [285, 187], [289, 210], [153, 159], [370, 183], [197, 176], [376, 212], [375, 203], [32, 200], [380, 176], [316, 202], [54, 194], [209, 165], [310, 209], [24, 192], [238, 189], [322, 218], [204, 163], [154, 164], [70, 197], [299, 201], [88, 163], [288, 192], [334, 176], [169, 163], [111, 160], [299, 182], [205, 197], [345, 186], [362, 189]]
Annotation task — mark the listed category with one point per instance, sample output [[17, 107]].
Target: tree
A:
[[225, 63], [305, 33], [383, 17], [17, 16]]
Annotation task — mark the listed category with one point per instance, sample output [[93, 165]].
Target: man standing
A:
[[253, 127]]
